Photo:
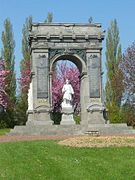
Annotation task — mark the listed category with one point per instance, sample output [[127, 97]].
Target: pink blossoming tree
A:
[[24, 81], [3, 74]]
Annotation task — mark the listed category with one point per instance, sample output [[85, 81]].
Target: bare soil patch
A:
[[101, 141]]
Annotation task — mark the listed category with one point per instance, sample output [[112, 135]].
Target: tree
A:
[[49, 18], [128, 114], [3, 74], [3, 94], [25, 62], [128, 69], [127, 66], [8, 55], [114, 84], [24, 80]]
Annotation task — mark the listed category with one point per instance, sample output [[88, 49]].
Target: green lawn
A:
[[38, 160], [4, 131]]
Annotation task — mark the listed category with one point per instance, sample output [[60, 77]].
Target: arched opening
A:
[[62, 68]]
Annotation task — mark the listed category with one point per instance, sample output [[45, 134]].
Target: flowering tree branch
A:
[[3, 85]]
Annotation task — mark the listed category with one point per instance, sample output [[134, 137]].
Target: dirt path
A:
[[7, 138]]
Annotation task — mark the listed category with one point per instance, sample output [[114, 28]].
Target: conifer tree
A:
[[9, 57], [22, 103], [49, 18], [114, 84]]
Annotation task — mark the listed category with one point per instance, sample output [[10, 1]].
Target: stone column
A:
[[50, 87], [41, 102], [84, 98], [95, 107]]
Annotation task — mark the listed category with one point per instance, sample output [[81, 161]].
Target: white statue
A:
[[67, 91], [67, 107], [30, 98]]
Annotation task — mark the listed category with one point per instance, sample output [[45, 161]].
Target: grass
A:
[[46, 160], [4, 131]]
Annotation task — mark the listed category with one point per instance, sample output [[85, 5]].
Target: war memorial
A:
[[82, 45]]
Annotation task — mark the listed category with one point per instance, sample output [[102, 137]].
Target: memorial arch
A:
[[79, 43]]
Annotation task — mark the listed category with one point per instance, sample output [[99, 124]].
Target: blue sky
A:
[[102, 11]]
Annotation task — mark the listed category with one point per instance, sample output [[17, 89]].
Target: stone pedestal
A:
[[67, 119], [39, 117], [95, 114], [96, 118], [67, 115]]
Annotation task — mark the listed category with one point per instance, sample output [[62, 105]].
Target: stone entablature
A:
[[58, 29], [90, 35]]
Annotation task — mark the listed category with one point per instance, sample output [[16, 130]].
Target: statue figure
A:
[[67, 107], [67, 91]]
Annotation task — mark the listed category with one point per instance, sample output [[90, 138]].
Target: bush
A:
[[2, 124], [128, 114], [114, 114], [4, 120], [55, 117]]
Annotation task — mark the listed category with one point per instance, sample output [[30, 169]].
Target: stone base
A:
[[95, 113], [67, 119], [96, 118], [48, 130], [39, 118], [39, 122], [59, 130], [111, 129], [67, 109]]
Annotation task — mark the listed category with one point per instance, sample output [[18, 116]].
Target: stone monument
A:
[[82, 45], [78, 43], [67, 107]]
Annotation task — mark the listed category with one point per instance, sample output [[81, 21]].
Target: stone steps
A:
[[58, 130], [46, 130], [112, 129]]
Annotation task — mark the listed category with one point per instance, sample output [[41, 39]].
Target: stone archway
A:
[[81, 65], [81, 43]]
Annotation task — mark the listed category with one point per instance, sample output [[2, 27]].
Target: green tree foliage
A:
[[25, 42], [114, 84], [9, 57], [128, 114], [49, 18], [22, 103]]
